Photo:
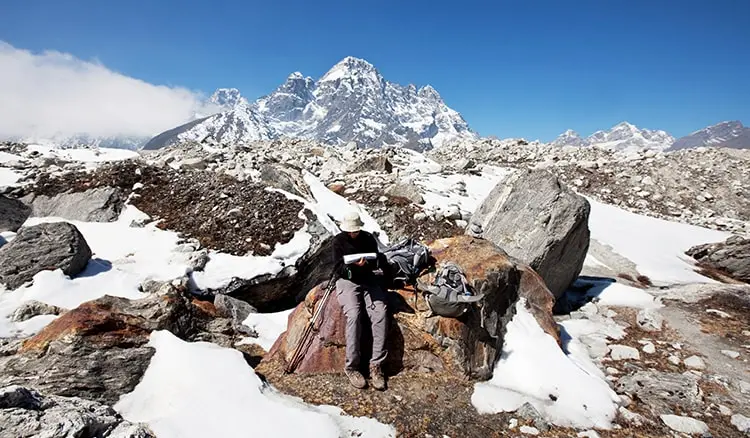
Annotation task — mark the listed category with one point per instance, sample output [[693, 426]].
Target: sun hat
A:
[[351, 222]]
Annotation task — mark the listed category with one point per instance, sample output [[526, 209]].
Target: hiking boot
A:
[[356, 378], [376, 377]]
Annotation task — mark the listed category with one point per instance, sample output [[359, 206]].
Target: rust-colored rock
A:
[[98, 350], [337, 188], [467, 346]]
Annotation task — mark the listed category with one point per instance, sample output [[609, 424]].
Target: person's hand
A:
[[360, 262]]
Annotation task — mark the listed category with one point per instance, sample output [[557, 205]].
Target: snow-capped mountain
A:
[[89, 141], [622, 137], [725, 134], [351, 102]]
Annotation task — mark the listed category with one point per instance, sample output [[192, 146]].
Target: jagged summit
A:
[[351, 102]]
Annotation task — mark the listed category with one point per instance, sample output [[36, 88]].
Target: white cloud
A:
[[51, 94]]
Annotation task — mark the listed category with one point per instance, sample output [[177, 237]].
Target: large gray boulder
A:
[[731, 257], [540, 221], [27, 413], [101, 204], [47, 246], [13, 213]]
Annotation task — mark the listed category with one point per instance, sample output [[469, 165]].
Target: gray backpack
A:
[[449, 294]]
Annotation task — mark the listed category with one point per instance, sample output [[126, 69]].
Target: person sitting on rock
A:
[[358, 287]]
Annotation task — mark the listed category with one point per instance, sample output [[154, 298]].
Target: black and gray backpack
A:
[[406, 259], [449, 294]]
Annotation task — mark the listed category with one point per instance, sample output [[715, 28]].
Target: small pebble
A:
[[529, 430], [730, 353]]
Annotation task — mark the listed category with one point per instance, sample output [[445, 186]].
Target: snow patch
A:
[[231, 399], [533, 368]]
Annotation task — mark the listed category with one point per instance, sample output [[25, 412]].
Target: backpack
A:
[[406, 260], [449, 294]]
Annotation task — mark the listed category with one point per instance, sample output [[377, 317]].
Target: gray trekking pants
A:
[[353, 297]]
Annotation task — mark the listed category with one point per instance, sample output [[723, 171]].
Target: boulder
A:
[[27, 413], [98, 350], [376, 162], [407, 191], [537, 219], [286, 178], [47, 246], [101, 204], [467, 347], [273, 293], [13, 213], [731, 257]]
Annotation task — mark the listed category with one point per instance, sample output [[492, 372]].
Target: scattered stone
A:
[[588, 434], [686, 425], [419, 216], [695, 362], [741, 422], [612, 371], [730, 353], [13, 213], [744, 387], [674, 360], [623, 352], [529, 412], [632, 418], [540, 221], [528, 430], [649, 348], [661, 392], [33, 308], [25, 412], [723, 410], [513, 423], [47, 246], [649, 320]]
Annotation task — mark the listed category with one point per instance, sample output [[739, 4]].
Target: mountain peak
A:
[[429, 92], [227, 98], [351, 67], [295, 75]]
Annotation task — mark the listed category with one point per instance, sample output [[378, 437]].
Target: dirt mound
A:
[[220, 211]]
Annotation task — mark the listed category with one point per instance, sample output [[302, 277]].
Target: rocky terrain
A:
[[704, 186], [614, 357]]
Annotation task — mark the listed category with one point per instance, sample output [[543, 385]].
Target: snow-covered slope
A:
[[725, 134], [622, 137], [351, 102]]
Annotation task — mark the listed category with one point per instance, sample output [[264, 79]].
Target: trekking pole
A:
[[300, 350]]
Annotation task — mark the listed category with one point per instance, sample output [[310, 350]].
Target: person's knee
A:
[[378, 311]]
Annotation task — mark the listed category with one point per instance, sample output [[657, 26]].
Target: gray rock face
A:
[[233, 309], [731, 257], [661, 392], [98, 350], [13, 213], [48, 246], [25, 413], [536, 219], [101, 204], [33, 308], [686, 425]]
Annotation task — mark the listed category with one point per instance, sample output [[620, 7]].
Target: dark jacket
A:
[[343, 245]]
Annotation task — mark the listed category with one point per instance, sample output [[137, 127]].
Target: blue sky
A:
[[513, 68]]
